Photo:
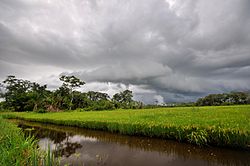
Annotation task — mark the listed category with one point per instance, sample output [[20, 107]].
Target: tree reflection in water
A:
[[95, 147], [63, 145]]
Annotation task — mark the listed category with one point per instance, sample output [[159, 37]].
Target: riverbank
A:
[[227, 126], [73, 144], [16, 149]]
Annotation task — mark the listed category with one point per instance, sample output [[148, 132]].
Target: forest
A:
[[23, 95]]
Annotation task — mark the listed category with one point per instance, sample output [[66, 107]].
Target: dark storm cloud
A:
[[174, 49]]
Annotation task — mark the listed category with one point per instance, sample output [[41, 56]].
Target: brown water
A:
[[78, 146]]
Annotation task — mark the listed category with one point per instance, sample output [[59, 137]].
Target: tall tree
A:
[[123, 98], [16, 92], [71, 82], [38, 94], [61, 98], [96, 96]]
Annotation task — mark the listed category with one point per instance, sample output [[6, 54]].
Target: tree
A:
[[60, 98], [239, 97], [38, 95], [123, 99], [71, 82], [224, 99], [80, 100], [16, 92], [96, 96]]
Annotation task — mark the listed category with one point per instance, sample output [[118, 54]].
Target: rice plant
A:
[[220, 126], [16, 149]]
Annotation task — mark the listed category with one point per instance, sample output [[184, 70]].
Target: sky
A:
[[162, 50]]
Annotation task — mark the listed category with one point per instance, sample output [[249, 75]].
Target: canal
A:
[[76, 146]]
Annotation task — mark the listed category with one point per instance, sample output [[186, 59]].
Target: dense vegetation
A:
[[22, 95], [221, 126], [16, 149], [224, 99]]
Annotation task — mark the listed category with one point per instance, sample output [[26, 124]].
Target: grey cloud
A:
[[178, 51]]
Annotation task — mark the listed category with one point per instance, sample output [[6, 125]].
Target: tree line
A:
[[23, 95], [231, 98]]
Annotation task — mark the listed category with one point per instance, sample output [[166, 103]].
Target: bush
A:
[[41, 110]]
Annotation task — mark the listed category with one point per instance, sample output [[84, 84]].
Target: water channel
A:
[[77, 146]]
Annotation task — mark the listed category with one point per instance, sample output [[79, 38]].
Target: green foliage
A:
[[15, 95], [16, 149], [123, 99], [71, 82], [224, 99], [220, 126], [80, 100], [61, 98], [198, 137], [103, 105], [97, 96], [22, 95]]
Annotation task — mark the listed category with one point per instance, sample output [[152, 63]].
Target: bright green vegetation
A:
[[220, 126], [16, 149]]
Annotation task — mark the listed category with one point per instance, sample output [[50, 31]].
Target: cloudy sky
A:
[[165, 50]]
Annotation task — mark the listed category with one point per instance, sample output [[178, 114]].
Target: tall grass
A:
[[16, 149], [221, 126]]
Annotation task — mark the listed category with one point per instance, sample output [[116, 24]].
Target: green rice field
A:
[[215, 125]]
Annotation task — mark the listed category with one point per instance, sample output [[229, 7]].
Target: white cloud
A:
[[159, 99]]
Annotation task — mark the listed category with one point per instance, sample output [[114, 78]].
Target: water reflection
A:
[[79, 146]]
